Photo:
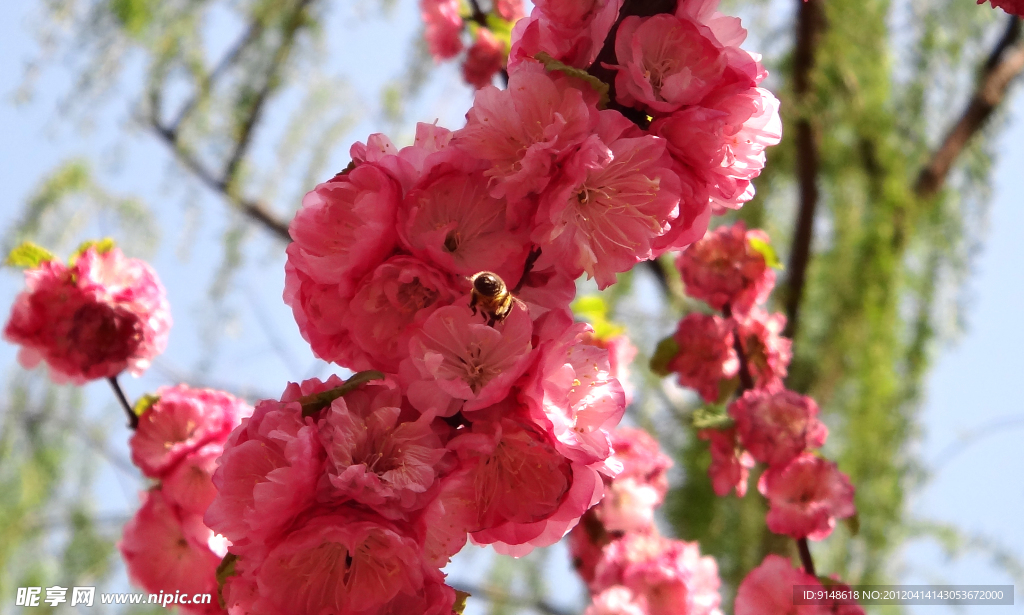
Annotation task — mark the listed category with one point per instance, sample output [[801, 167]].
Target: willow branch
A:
[[810, 24], [1004, 63]]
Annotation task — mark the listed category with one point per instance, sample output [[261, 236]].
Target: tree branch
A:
[[1004, 63], [810, 24]]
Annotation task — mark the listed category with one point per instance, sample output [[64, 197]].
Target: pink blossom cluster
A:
[[1013, 7], [727, 271], [446, 24], [166, 546], [743, 349], [98, 316], [768, 590], [629, 568]]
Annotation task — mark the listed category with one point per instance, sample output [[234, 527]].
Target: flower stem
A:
[[133, 419], [805, 556]]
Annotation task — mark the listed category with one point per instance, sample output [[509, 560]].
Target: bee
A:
[[491, 296]]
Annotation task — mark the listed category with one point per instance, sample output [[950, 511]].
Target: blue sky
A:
[[973, 383]]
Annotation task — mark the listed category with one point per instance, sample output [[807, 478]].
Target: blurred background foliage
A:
[[884, 83]]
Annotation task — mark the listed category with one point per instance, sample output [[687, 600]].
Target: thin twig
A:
[[133, 419], [805, 556], [1004, 63]]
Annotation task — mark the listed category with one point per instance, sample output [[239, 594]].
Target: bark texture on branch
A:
[[810, 24], [1004, 63]]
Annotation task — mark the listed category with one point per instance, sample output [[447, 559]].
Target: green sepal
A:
[[667, 350], [765, 249], [711, 417], [225, 569], [311, 404], [102, 246], [598, 86], [29, 256], [145, 403], [460, 602]]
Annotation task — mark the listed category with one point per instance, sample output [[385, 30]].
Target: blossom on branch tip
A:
[[777, 426], [807, 495], [724, 269], [444, 27], [707, 355], [95, 318]]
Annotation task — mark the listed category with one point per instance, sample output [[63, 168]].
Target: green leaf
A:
[[144, 404], [28, 256], [311, 404], [460, 602], [711, 417], [598, 86], [594, 310], [501, 29], [225, 569], [667, 350], [102, 246], [766, 250]]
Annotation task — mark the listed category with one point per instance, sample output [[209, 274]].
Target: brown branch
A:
[[805, 556], [1004, 63], [810, 24]]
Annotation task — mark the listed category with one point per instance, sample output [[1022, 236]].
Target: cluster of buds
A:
[[448, 22], [738, 358], [629, 568]]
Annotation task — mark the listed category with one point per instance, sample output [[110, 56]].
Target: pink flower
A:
[[706, 354], [450, 219], [94, 319], [269, 470], [766, 351], [388, 308], [571, 31], [616, 600], [509, 10], [190, 483], [523, 493], [484, 59], [722, 142], [621, 353], [348, 562], [374, 457], [443, 27], [730, 465], [572, 390], [166, 549], [180, 422], [667, 576], [641, 457], [1013, 7], [459, 362], [522, 130], [345, 228], [629, 505], [614, 196], [777, 426], [807, 495], [723, 269], [768, 590], [665, 63]]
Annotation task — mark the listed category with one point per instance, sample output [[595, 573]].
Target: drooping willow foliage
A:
[[870, 86]]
